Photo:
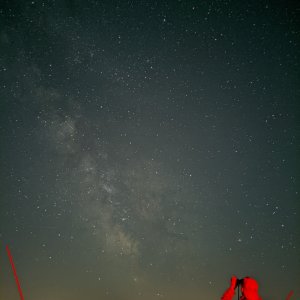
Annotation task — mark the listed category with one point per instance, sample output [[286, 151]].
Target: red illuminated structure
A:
[[15, 272], [249, 289]]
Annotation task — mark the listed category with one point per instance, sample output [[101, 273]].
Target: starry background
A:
[[149, 149]]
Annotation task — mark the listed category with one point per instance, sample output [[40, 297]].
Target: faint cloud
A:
[[117, 240], [87, 165], [147, 188], [62, 132], [45, 96]]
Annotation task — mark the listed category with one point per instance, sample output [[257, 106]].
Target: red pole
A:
[[15, 272]]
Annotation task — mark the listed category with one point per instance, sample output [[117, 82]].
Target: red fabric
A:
[[249, 290], [228, 295]]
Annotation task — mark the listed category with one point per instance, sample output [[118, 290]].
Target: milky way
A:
[[149, 149]]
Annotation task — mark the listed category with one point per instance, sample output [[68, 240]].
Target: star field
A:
[[149, 149]]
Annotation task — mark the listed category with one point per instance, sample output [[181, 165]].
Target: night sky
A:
[[149, 149]]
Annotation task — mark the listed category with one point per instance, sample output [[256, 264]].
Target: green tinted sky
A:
[[149, 149]]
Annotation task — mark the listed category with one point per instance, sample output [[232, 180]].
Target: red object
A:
[[249, 289], [228, 294], [15, 272], [290, 294]]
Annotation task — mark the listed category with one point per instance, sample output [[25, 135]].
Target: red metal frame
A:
[[15, 272]]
